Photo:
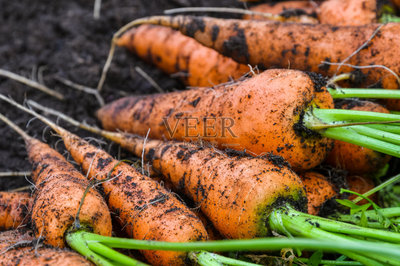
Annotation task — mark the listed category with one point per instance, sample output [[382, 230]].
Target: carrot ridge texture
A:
[[260, 115]]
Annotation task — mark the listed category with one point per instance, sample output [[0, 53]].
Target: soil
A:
[[47, 39]]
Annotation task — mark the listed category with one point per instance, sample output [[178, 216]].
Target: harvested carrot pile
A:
[[200, 132]]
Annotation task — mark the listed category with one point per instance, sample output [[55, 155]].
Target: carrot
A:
[[319, 191], [334, 12], [222, 115], [280, 111], [144, 208], [294, 11], [60, 188], [352, 13], [15, 208], [298, 46], [361, 185], [17, 248], [352, 158], [175, 53]]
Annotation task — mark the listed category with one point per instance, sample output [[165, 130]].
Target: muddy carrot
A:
[[286, 112], [319, 191], [175, 53], [15, 209], [352, 13], [293, 11], [60, 188]]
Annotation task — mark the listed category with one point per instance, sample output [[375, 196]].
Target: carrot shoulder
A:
[[15, 209], [258, 115], [175, 53]]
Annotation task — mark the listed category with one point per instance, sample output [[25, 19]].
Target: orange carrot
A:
[[293, 11], [352, 158], [319, 190], [335, 12], [60, 188], [175, 53], [17, 247], [143, 207], [348, 13], [361, 185], [259, 115], [15, 208], [299, 46]]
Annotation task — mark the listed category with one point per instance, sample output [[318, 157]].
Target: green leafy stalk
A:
[[330, 262], [348, 135], [113, 255], [362, 128], [258, 244], [209, 259], [381, 186], [341, 93], [76, 241]]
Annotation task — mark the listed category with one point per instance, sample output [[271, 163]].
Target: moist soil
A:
[[47, 40]]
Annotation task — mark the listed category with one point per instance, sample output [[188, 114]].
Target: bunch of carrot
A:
[[280, 123], [255, 216]]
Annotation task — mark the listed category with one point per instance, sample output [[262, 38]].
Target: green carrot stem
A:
[[340, 227], [280, 218], [208, 258], [257, 244], [329, 116], [113, 255], [386, 212], [348, 135], [377, 134], [330, 262], [388, 182], [364, 93], [77, 242], [387, 128], [387, 18]]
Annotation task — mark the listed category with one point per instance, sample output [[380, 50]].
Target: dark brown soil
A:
[[62, 39]]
